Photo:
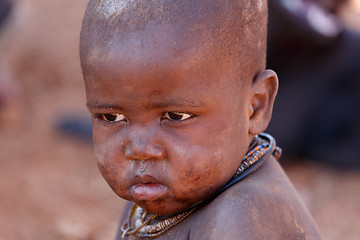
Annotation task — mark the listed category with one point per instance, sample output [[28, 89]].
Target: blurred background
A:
[[50, 188]]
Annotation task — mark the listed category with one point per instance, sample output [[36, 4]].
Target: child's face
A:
[[170, 126]]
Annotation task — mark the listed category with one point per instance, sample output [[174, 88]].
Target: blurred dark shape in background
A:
[[76, 127], [316, 114], [6, 84], [5, 9]]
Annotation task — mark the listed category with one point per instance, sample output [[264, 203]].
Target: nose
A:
[[143, 144]]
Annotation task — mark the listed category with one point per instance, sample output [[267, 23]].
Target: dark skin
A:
[[148, 145], [263, 206], [172, 120]]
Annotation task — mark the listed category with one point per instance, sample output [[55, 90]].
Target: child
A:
[[179, 95]]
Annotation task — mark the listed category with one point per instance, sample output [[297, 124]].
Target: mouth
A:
[[147, 188], [148, 191]]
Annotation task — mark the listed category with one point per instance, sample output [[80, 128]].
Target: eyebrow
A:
[[102, 106], [153, 105], [176, 103]]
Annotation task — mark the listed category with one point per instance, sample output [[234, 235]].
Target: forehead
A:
[[151, 44], [158, 51], [146, 69], [144, 62]]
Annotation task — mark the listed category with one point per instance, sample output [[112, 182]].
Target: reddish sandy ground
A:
[[49, 184]]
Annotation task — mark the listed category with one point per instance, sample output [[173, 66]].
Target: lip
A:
[[148, 191], [147, 188]]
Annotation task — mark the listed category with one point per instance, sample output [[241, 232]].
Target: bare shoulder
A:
[[262, 206]]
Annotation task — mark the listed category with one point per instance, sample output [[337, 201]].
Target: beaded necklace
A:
[[262, 146]]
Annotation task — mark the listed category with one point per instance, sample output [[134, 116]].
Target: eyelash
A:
[[169, 116], [105, 117]]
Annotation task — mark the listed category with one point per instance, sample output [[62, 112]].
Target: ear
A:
[[263, 92]]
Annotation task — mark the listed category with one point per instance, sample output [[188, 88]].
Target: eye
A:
[[111, 117], [177, 116]]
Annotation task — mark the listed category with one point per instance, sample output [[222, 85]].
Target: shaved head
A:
[[234, 30]]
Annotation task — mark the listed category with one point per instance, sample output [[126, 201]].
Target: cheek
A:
[[205, 166], [107, 146], [105, 160], [216, 150], [114, 170], [105, 150], [110, 161]]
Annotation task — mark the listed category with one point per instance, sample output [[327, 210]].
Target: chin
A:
[[160, 208]]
